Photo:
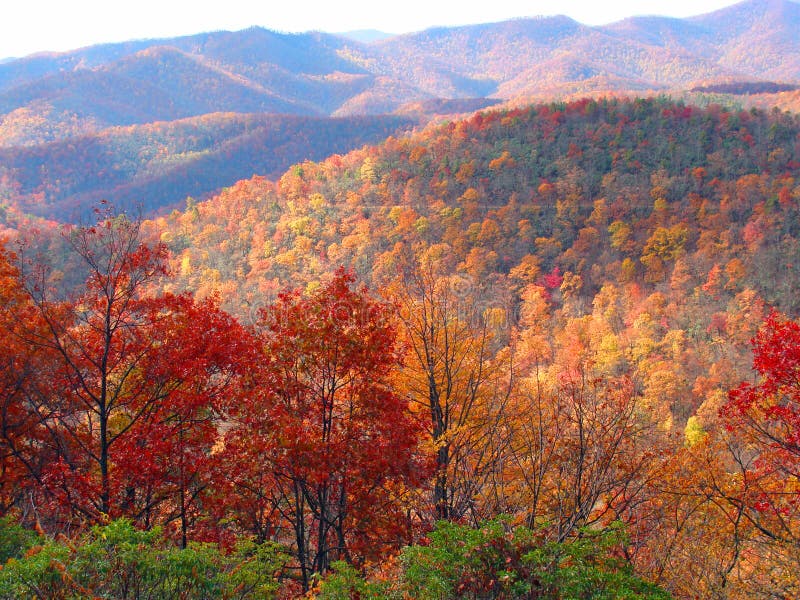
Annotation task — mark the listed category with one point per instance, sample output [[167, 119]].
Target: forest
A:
[[548, 352]]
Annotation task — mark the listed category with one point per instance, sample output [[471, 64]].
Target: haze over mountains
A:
[[46, 98]]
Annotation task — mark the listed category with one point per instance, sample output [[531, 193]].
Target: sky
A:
[[29, 26]]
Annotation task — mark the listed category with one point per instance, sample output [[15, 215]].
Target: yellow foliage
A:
[[186, 264], [693, 432]]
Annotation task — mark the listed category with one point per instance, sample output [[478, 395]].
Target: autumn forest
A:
[[543, 351]]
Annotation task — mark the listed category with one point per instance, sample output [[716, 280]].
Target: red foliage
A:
[[767, 414], [553, 280], [126, 396], [329, 445], [166, 458], [21, 434]]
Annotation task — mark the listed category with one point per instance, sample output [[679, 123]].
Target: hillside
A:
[[756, 37], [683, 212], [641, 242], [158, 165]]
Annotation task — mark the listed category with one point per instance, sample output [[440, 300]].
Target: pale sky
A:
[[28, 26]]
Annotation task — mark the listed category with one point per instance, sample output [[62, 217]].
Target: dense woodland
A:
[[537, 353]]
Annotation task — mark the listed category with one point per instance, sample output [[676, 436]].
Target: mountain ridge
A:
[[461, 61]]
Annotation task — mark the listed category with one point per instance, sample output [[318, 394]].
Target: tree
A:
[[583, 452], [330, 446], [128, 377], [762, 420], [203, 355], [100, 337], [454, 376], [21, 434], [768, 413]]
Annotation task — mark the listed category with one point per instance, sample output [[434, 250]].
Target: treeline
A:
[[746, 87]]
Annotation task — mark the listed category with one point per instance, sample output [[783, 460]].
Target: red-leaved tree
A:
[[763, 420], [325, 450], [128, 399]]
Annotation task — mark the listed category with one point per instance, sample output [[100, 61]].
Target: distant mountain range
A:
[[256, 70], [47, 98]]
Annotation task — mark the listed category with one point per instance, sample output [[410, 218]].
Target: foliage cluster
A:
[[495, 560]]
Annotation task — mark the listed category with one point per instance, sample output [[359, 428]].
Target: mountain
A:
[[592, 289], [250, 71], [49, 102], [156, 84], [758, 38], [754, 38], [257, 70]]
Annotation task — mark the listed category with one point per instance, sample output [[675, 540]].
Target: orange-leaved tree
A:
[[22, 452]]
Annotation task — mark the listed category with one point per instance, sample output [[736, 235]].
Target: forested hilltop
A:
[[646, 194], [159, 120], [510, 364]]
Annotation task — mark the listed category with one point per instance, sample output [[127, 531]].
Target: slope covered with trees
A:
[[159, 165], [525, 186], [609, 254]]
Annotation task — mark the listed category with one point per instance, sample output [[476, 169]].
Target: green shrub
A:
[[121, 562], [15, 539], [496, 561]]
